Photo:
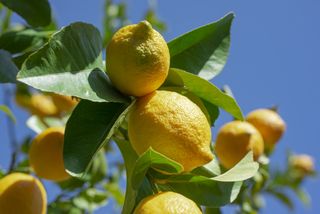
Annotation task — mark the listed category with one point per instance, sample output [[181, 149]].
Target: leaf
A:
[[8, 70], [35, 12], [17, 41], [90, 199], [205, 90], [153, 159], [203, 51], [133, 196], [243, 170], [204, 191], [38, 125], [90, 126], [8, 112], [71, 64], [210, 169]]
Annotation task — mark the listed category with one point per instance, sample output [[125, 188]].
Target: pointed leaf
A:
[[204, 191], [243, 170], [35, 12], [203, 51], [153, 159], [204, 90], [71, 64], [90, 126], [8, 112], [17, 41]]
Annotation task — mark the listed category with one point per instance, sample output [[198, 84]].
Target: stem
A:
[[11, 131]]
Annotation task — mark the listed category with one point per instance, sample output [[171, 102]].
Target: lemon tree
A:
[[152, 99]]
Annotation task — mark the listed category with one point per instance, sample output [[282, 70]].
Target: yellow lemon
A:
[[172, 125], [167, 203], [22, 194], [46, 155], [234, 140], [302, 163], [137, 59], [63, 103], [38, 104], [269, 124]]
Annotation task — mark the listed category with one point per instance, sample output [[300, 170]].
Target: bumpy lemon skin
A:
[[172, 125], [137, 59], [22, 194], [234, 140], [46, 155], [167, 203], [269, 124]]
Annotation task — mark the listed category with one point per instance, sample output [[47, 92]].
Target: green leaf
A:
[[133, 196], [204, 191], [210, 169], [243, 170], [210, 210], [90, 199], [21, 40], [90, 126], [153, 159], [203, 51], [35, 12], [8, 70], [8, 112], [205, 90], [71, 64]]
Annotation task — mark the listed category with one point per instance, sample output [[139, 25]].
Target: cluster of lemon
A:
[[22, 193], [260, 132], [138, 63]]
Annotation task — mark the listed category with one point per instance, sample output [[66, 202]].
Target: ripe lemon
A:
[[38, 104], [137, 59], [269, 124], [172, 125], [167, 203], [234, 140], [46, 155], [63, 103], [304, 164], [22, 194]]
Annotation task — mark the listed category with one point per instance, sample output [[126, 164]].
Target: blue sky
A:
[[274, 60]]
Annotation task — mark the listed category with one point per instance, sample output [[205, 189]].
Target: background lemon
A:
[[22, 194], [46, 154], [172, 125], [63, 103], [269, 124], [38, 104], [137, 59], [167, 203], [302, 163], [234, 140]]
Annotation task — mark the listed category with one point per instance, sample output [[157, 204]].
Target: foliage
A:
[[69, 61]]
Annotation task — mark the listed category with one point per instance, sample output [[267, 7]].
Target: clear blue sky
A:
[[274, 59]]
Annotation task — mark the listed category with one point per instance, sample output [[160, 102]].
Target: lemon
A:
[[63, 103], [234, 140], [303, 163], [137, 59], [46, 154], [22, 194], [38, 104], [269, 124], [167, 203], [172, 125]]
